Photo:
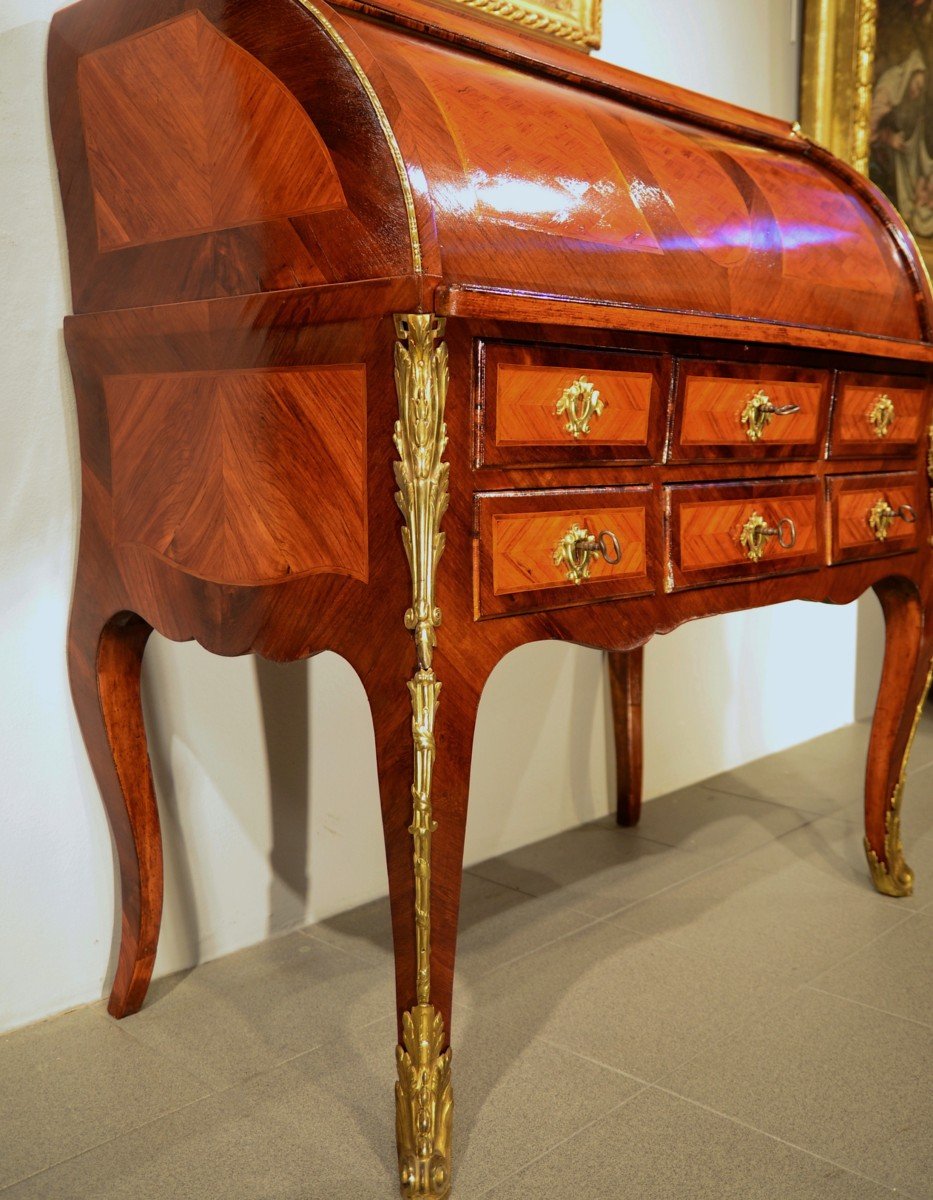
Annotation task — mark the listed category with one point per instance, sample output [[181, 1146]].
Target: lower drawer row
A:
[[538, 550]]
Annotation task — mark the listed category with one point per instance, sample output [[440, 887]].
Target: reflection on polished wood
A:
[[585, 304]]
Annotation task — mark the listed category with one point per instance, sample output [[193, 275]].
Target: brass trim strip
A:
[[423, 1094], [394, 148], [930, 475]]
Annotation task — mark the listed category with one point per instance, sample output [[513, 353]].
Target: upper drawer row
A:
[[551, 406]]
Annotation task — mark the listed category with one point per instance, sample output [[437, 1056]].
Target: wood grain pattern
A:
[[713, 412], [713, 397], [523, 547], [707, 523], [215, 472], [518, 533], [521, 383], [620, 198], [626, 672], [237, 480], [527, 400], [853, 433], [104, 665], [291, 113], [760, 234], [852, 498], [177, 96]]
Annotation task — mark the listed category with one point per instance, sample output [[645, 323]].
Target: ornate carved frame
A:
[[837, 75], [837, 79], [578, 22]]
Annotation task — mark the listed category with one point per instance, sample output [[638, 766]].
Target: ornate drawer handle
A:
[[881, 415], [883, 516], [581, 403], [756, 531], [578, 546], [759, 411]]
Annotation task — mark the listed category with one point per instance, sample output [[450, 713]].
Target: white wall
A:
[[718, 693]]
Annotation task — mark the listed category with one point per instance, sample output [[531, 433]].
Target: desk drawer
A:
[[877, 414], [739, 412], [556, 406], [523, 561], [871, 514], [720, 533]]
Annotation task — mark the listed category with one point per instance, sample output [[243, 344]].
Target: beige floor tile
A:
[[229, 1019], [74, 1081], [497, 924], [918, 803], [842, 1080], [637, 1004], [715, 824], [658, 1147], [599, 867], [502, 924], [921, 754], [319, 1126], [791, 923], [820, 776], [516, 1096], [322, 1125], [920, 853], [894, 973], [365, 931]]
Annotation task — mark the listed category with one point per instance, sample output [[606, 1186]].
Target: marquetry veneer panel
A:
[[243, 477], [232, 146], [713, 396], [518, 534], [852, 498], [523, 385], [705, 524], [854, 436]]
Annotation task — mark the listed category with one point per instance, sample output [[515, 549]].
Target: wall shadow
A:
[[284, 700], [174, 856]]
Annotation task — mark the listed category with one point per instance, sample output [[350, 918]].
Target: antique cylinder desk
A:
[[384, 313]]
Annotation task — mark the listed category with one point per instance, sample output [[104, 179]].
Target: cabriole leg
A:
[[905, 679], [104, 665], [405, 740], [625, 681], [423, 1095]]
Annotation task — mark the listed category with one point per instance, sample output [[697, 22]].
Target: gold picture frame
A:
[[837, 75], [866, 94], [578, 22]]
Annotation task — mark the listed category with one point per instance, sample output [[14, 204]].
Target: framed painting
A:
[[578, 22], [867, 95]]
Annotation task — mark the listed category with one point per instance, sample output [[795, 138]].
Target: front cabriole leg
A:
[[905, 680], [423, 1096]]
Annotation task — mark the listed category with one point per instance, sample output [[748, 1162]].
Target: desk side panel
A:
[[221, 150]]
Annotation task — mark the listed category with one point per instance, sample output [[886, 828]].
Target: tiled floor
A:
[[717, 1005]]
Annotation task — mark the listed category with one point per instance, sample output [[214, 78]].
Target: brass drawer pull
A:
[[883, 516], [759, 412], [581, 404], [756, 531], [578, 547], [881, 415]]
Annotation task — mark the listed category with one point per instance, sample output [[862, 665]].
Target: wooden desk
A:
[[633, 356]]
